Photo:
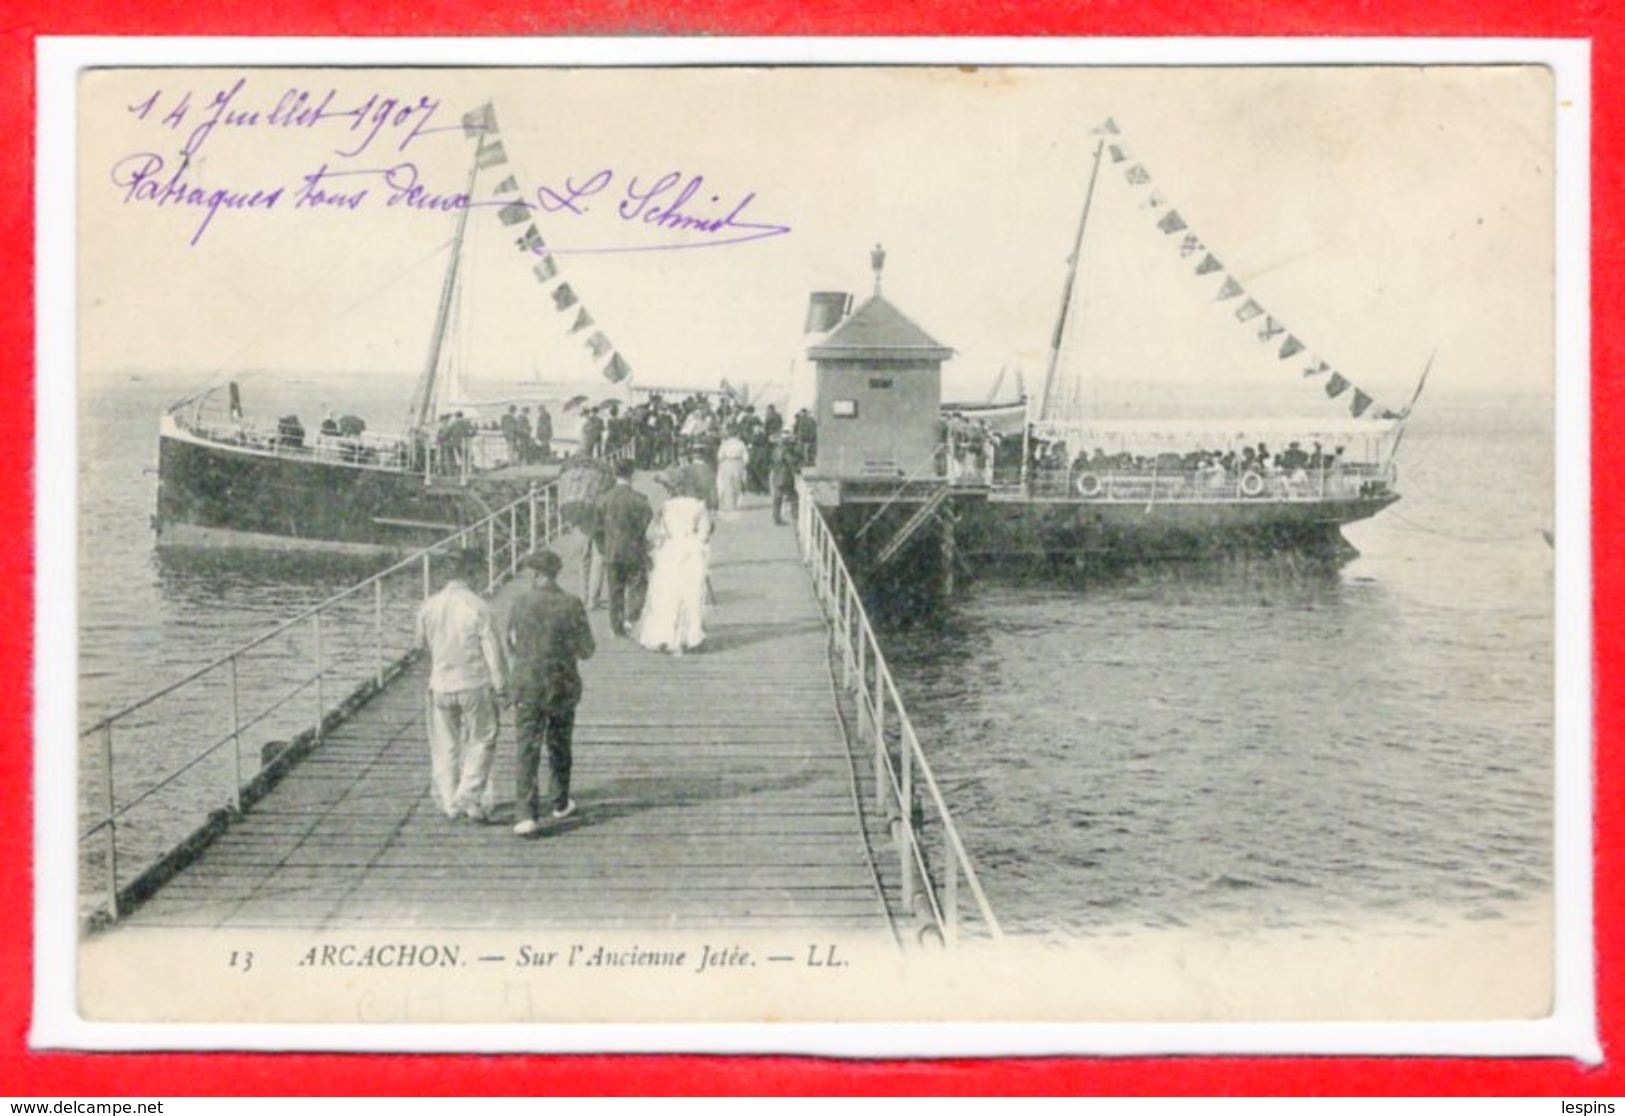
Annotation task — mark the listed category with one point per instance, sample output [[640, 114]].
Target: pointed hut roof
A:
[[877, 330]]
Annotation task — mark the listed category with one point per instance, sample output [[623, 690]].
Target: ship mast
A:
[[1066, 291], [423, 395]]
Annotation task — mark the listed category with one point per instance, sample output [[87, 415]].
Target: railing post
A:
[[531, 503], [378, 630], [863, 662], [236, 741], [846, 637], [880, 733], [491, 554], [950, 898], [513, 538], [112, 822], [905, 805], [321, 697]]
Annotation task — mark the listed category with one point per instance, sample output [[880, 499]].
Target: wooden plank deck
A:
[[714, 789]]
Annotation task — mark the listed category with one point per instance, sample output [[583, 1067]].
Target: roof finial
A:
[[877, 260]]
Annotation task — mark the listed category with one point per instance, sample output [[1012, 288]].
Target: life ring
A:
[[1252, 485], [1089, 486]]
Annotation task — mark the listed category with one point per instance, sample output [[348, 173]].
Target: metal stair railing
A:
[[908, 530]]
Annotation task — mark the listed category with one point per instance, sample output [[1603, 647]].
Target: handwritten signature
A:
[[655, 206]]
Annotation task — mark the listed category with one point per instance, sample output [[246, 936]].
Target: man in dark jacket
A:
[[547, 634], [623, 515]]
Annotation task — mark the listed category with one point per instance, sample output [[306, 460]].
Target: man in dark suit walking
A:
[[547, 634], [623, 518]]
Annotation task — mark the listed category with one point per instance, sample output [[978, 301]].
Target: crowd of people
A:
[[970, 449], [660, 433], [1293, 468], [648, 567]]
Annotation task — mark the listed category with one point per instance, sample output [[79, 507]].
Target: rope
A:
[[1515, 536]]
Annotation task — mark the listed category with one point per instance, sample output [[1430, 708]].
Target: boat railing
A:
[[391, 452], [1217, 485], [902, 774], [269, 701]]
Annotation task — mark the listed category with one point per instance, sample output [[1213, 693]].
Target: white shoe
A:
[[565, 811], [526, 828]]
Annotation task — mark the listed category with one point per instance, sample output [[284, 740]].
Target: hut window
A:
[[879, 383], [845, 408]]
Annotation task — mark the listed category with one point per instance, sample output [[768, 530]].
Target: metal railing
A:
[[900, 767], [1345, 482], [355, 640]]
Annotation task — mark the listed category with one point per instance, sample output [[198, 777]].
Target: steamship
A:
[[1048, 481]]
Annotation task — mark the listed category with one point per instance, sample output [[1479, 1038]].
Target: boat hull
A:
[[1004, 529], [214, 496]]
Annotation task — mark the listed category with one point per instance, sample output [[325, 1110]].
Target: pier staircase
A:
[[925, 513]]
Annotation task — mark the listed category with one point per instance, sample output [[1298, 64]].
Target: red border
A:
[[22, 1071]]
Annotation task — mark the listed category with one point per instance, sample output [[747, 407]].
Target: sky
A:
[[1382, 214]]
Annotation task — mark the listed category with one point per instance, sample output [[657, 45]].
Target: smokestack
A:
[[825, 309]]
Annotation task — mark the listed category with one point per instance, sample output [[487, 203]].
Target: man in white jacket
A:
[[467, 679]]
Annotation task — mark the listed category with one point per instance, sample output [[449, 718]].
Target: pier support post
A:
[[513, 540], [112, 823], [426, 590], [491, 554], [950, 553]]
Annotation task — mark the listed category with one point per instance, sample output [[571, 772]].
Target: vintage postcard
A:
[[1064, 544]]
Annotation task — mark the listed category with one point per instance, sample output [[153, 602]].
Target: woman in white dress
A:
[[730, 473], [673, 611]]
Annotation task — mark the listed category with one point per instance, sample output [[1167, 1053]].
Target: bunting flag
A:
[[532, 241], [489, 152], [490, 155], [480, 121], [1268, 329]]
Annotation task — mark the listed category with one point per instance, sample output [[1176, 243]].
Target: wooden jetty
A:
[[719, 788]]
